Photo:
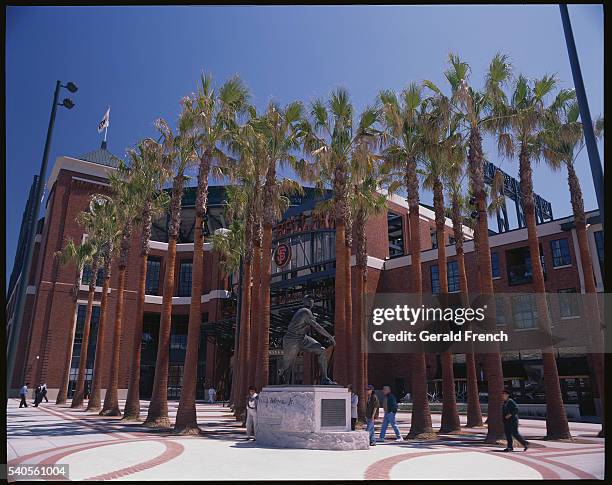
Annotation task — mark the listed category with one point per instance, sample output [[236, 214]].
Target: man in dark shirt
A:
[[510, 417], [372, 408], [296, 339], [390, 406]]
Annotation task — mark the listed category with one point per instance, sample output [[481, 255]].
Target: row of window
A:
[[525, 312], [519, 265]]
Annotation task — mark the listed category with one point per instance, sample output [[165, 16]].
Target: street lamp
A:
[[17, 325], [585, 114]]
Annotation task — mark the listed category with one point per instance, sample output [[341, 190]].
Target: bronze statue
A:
[[296, 339]]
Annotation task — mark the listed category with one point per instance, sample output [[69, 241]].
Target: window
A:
[[435, 279], [78, 343], [453, 276], [434, 240], [184, 283], [495, 265], [87, 276], [178, 341], [153, 270], [395, 229], [599, 244], [524, 311], [500, 310], [560, 252], [569, 304], [518, 266], [175, 381], [451, 240]]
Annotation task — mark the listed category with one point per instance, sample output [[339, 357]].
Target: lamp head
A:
[[67, 103], [73, 88]]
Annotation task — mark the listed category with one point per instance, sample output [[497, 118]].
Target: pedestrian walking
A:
[[37, 395], [354, 402], [23, 394], [372, 409], [211, 395], [511, 421], [251, 422], [44, 392], [390, 406]]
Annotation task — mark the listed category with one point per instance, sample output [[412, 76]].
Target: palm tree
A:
[[181, 152], [230, 244], [213, 116], [440, 139], [247, 144], [479, 113], [280, 138], [328, 138], [79, 256], [524, 116], [103, 219], [403, 121], [458, 207], [126, 190], [563, 141], [368, 175], [148, 161]]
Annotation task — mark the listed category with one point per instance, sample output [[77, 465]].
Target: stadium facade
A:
[[309, 268]]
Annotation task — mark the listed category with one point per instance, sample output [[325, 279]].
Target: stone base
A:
[[323, 440], [310, 417]]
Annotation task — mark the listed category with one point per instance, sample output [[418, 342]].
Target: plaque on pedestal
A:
[[315, 417]]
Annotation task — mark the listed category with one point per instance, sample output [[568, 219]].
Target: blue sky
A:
[[142, 60]]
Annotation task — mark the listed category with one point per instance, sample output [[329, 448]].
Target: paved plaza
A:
[[105, 448]]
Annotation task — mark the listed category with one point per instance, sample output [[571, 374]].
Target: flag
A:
[[104, 123]]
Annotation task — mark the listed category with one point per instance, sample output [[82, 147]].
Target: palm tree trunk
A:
[[257, 317], [263, 347], [450, 416], [131, 411], [556, 418], [111, 399], [132, 403], [493, 366], [158, 407], [358, 343], [186, 418], [340, 370], [262, 327], [94, 403], [351, 370], [474, 412], [77, 398], [245, 335], [62, 394], [595, 357], [420, 426]]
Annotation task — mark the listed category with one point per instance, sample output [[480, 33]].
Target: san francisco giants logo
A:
[[282, 255]]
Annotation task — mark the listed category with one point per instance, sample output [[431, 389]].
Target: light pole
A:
[[17, 324], [585, 114]]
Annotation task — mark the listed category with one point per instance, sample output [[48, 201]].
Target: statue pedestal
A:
[[312, 417]]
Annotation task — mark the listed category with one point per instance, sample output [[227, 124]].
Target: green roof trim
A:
[[102, 157]]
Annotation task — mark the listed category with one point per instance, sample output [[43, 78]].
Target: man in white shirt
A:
[[23, 392], [211, 395], [251, 409]]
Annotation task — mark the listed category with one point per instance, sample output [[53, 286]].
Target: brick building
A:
[[309, 269]]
